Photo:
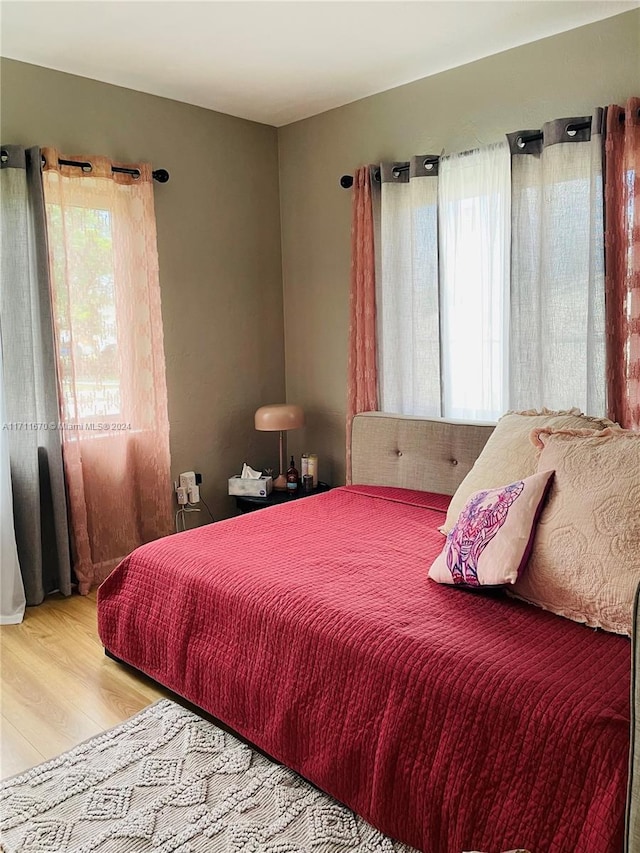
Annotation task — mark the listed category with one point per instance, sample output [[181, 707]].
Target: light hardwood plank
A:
[[48, 720], [57, 687], [95, 685], [17, 753]]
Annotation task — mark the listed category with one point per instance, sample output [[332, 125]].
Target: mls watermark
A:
[[52, 426]]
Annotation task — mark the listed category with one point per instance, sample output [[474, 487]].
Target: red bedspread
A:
[[450, 720]]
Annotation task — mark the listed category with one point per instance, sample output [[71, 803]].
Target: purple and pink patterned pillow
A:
[[491, 541]]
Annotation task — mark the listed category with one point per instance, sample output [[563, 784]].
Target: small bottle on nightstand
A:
[[292, 477]]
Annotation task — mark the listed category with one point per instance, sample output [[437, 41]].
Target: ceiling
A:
[[277, 62]]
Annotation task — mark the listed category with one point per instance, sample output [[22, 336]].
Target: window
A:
[[514, 312], [83, 283]]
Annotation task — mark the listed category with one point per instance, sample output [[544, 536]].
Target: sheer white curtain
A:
[[408, 321], [474, 223], [12, 598], [557, 276]]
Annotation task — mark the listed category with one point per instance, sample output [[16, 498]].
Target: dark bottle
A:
[[292, 477]]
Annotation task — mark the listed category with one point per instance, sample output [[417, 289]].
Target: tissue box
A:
[[250, 488]]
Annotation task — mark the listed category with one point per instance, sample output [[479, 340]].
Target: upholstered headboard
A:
[[414, 453]]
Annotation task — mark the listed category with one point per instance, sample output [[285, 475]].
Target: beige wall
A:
[[473, 105], [219, 221], [219, 249]]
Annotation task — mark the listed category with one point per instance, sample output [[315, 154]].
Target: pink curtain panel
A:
[[110, 360], [362, 384], [622, 248]]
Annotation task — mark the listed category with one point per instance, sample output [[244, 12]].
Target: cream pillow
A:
[[585, 562], [509, 454]]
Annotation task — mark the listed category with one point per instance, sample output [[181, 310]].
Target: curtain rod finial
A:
[[346, 181]]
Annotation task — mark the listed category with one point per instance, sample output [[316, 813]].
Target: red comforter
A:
[[450, 720]]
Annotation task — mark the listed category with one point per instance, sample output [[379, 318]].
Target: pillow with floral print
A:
[[491, 540], [585, 562]]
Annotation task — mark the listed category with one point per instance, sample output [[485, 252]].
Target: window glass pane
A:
[[81, 246]]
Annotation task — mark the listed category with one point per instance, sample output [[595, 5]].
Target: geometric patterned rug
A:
[[167, 781]]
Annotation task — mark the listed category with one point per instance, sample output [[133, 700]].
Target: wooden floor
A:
[[57, 686]]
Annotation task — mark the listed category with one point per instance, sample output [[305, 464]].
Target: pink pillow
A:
[[492, 538]]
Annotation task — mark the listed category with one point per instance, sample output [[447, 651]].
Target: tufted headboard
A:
[[414, 453]]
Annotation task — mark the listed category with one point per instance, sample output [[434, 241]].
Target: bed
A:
[[450, 719]]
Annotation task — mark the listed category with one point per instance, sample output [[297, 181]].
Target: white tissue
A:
[[249, 474]]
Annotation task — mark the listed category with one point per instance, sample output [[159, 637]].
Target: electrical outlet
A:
[[188, 480]]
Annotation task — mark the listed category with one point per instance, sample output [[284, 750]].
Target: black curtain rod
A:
[[346, 181], [570, 129], [159, 175]]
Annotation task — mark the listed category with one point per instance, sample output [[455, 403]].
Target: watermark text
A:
[[52, 426]]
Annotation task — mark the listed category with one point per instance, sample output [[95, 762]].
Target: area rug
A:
[[167, 781]]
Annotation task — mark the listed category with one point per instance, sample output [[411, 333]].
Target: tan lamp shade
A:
[[279, 416]]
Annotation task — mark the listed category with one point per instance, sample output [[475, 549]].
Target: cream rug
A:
[[167, 781]]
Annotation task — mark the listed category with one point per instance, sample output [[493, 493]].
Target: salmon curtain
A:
[[622, 253], [110, 359], [362, 381]]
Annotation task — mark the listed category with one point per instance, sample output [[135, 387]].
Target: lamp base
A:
[[280, 483]]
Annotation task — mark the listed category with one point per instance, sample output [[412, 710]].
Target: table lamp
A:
[[279, 417]]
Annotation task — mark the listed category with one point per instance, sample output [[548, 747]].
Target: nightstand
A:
[[249, 504]]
